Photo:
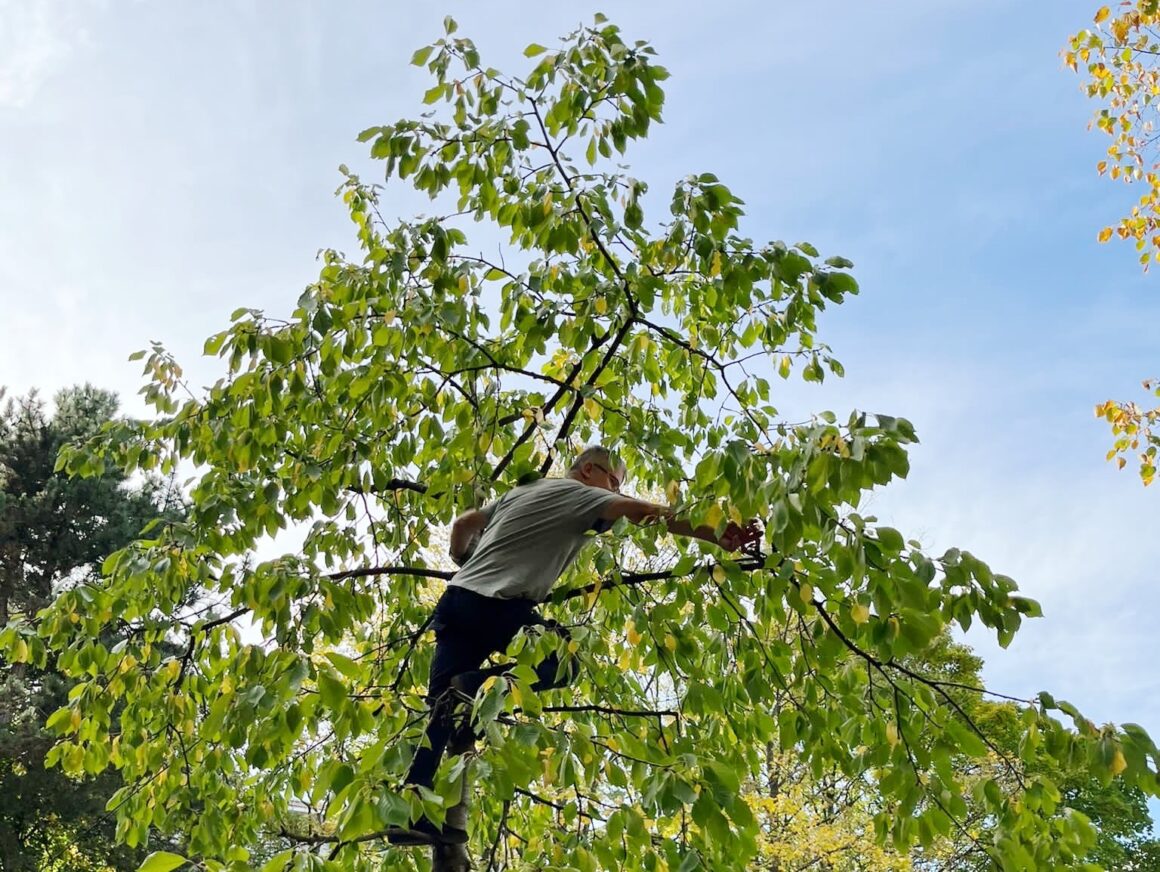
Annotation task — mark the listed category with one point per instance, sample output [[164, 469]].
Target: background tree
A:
[[825, 822], [1118, 812], [422, 376], [54, 532], [1119, 57]]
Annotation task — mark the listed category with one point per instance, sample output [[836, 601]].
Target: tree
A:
[[826, 822], [1118, 812], [420, 377], [54, 531], [1119, 57]]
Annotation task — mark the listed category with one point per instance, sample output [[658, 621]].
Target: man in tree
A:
[[511, 552]]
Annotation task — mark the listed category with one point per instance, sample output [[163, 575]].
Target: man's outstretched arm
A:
[[641, 512]]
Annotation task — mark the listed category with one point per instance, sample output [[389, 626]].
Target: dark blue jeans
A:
[[470, 627]]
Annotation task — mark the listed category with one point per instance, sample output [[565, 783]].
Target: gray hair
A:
[[596, 454]]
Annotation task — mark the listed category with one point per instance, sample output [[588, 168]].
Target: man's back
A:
[[532, 535]]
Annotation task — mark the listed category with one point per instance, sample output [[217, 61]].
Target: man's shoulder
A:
[[563, 491], [544, 485]]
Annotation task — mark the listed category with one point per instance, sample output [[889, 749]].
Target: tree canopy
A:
[[421, 376], [54, 532]]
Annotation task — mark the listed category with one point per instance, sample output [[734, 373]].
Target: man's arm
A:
[[642, 512], [463, 531]]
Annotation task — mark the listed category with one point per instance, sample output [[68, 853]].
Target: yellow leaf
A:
[[601, 305], [1106, 233], [807, 592], [573, 646], [1102, 13], [672, 491], [719, 573], [860, 613], [1119, 764], [389, 317], [714, 515], [670, 641], [592, 408], [517, 694], [633, 636], [892, 733]]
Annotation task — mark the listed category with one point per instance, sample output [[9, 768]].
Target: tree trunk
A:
[[454, 858]]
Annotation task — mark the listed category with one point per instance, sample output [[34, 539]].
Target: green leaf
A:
[[633, 216], [890, 539], [281, 350], [420, 57], [58, 718], [279, 861], [332, 691], [344, 664], [534, 49], [212, 345], [161, 861]]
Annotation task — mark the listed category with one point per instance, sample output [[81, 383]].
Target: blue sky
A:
[[162, 164]]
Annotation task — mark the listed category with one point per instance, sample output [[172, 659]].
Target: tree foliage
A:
[[1133, 428], [54, 531], [1119, 60], [422, 376]]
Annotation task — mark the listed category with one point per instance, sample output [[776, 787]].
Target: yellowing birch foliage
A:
[[1119, 59]]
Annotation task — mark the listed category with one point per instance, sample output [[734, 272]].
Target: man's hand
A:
[[736, 536]]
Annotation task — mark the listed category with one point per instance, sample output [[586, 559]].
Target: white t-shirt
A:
[[533, 533]]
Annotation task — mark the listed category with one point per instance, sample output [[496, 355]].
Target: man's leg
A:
[[549, 675], [469, 627], [548, 672], [453, 655]]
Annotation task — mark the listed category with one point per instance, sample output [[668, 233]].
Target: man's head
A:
[[596, 466]]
